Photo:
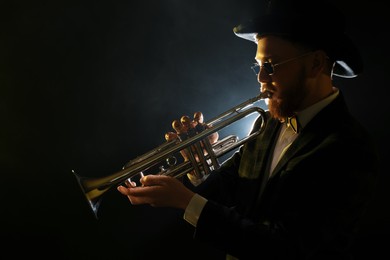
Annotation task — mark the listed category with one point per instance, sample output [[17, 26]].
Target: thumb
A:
[[151, 179]]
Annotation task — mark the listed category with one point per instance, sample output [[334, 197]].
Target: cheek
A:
[[289, 82], [280, 87]]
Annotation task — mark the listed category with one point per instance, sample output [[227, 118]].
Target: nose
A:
[[263, 76]]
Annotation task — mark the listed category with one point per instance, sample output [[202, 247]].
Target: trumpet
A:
[[203, 157]]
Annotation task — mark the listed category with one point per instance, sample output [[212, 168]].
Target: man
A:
[[299, 189]]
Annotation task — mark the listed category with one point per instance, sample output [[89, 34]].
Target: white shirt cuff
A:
[[194, 208]]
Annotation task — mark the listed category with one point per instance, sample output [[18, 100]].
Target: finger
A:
[[145, 195], [213, 138], [198, 117], [138, 195], [184, 155], [123, 190], [200, 126], [130, 184], [177, 126], [179, 135], [171, 136], [186, 123], [153, 180]]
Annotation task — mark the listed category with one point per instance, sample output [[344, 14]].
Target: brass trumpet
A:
[[203, 156]]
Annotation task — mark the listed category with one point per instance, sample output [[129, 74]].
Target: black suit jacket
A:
[[309, 208]]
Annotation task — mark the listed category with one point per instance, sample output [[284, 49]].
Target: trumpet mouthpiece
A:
[[265, 94]]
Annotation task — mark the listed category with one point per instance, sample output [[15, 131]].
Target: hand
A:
[[158, 191], [185, 128]]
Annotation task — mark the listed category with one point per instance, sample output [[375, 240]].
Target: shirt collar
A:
[[308, 113]]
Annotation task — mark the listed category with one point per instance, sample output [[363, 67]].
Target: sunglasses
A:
[[270, 68]]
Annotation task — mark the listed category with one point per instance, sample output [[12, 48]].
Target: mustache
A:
[[267, 88]]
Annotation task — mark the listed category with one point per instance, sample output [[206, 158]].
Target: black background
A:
[[89, 85]]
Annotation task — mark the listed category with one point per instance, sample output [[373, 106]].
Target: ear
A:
[[318, 63]]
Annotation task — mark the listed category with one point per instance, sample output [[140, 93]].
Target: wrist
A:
[[187, 197]]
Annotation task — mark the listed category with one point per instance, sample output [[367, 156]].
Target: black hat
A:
[[313, 22]]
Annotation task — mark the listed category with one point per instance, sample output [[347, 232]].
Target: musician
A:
[[300, 188]]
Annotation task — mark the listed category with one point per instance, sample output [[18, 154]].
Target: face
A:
[[288, 82]]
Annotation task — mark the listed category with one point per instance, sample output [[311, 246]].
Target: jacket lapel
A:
[[302, 141], [257, 152], [319, 126]]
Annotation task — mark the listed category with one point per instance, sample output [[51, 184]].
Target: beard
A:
[[288, 100]]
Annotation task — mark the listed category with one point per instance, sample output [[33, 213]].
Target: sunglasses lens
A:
[[256, 68], [268, 67]]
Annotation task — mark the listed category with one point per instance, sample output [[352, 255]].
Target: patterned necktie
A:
[[293, 123]]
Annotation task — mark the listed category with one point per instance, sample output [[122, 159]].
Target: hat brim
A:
[[338, 46]]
